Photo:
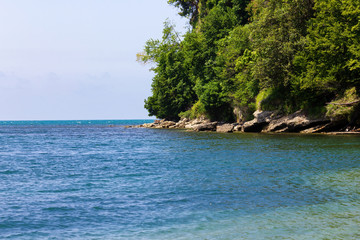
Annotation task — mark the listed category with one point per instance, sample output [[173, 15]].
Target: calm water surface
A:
[[98, 180]]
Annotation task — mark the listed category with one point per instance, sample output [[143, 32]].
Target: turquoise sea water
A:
[[98, 180]]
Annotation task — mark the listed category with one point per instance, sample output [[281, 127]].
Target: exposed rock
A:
[[262, 119], [334, 126], [225, 128], [181, 123], [238, 128], [295, 122], [211, 126], [343, 133], [253, 126], [238, 114], [193, 123], [167, 124], [149, 125], [158, 124], [263, 116]]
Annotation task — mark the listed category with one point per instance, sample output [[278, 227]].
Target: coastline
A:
[[263, 122]]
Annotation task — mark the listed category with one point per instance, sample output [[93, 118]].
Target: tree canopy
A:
[[262, 54]]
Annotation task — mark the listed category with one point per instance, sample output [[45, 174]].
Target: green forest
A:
[[239, 56]]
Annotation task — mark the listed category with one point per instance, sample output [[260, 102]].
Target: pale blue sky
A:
[[76, 59]]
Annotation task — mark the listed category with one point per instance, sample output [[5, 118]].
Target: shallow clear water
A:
[[98, 180]]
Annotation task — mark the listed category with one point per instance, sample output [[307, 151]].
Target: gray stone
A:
[[225, 128], [211, 126], [238, 128], [261, 120], [295, 122]]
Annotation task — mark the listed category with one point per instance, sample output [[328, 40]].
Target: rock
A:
[[263, 116], [199, 124], [253, 126], [167, 124], [159, 124], [238, 128], [262, 119], [149, 125], [193, 123], [211, 126], [333, 126], [181, 123], [225, 128], [295, 122]]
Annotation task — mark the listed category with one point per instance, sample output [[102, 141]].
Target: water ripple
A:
[[76, 180]]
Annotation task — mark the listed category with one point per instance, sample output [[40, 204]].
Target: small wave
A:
[[59, 190], [58, 209], [9, 172]]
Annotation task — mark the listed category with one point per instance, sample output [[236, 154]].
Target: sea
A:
[[100, 180]]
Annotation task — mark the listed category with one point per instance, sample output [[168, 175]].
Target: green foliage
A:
[[172, 89], [196, 10], [242, 55], [188, 8], [277, 35], [216, 102], [271, 99], [196, 111], [262, 97], [217, 24], [338, 110], [331, 59]]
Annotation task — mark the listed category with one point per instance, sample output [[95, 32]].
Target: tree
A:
[[189, 8], [332, 57], [172, 90], [278, 30]]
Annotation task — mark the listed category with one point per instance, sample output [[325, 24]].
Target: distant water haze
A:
[[77, 59]]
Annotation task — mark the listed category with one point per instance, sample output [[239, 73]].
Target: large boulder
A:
[[210, 126], [225, 128], [295, 122], [149, 125], [159, 124], [238, 128], [199, 124], [261, 119], [181, 124], [193, 123], [167, 124], [327, 126]]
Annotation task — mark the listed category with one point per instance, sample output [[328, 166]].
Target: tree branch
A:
[[346, 104]]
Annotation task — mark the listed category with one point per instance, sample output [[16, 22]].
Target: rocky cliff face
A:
[[264, 121]]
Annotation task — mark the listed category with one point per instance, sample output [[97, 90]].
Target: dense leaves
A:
[[172, 88], [243, 55]]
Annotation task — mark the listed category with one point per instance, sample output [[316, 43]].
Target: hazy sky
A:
[[76, 59]]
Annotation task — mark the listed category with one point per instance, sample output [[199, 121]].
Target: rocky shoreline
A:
[[264, 121]]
